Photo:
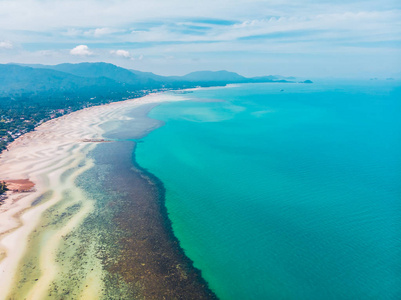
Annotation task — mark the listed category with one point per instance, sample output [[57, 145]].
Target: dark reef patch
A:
[[141, 255]]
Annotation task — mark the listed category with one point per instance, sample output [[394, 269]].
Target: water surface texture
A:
[[285, 191]]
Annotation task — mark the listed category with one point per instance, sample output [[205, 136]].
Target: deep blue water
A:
[[292, 194]]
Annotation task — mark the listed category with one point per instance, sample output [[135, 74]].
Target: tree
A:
[[3, 187]]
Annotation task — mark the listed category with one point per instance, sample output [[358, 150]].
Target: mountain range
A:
[[17, 79]]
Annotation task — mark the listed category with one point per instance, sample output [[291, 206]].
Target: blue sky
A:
[[174, 37]]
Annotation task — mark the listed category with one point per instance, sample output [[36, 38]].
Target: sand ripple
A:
[[52, 157]]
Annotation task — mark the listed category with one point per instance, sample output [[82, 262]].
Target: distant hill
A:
[[225, 77], [16, 80], [151, 76], [213, 76], [140, 79], [103, 79], [96, 70]]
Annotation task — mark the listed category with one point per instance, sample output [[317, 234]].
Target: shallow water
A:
[[290, 194]]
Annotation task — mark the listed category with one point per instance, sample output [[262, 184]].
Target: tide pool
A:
[[285, 191]]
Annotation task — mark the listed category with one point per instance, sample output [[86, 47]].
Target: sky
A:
[[173, 37]]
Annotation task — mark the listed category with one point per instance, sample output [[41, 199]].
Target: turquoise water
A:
[[290, 194]]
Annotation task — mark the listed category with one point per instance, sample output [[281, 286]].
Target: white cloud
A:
[[361, 26], [81, 50], [121, 53], [103, 31], [6, 45]]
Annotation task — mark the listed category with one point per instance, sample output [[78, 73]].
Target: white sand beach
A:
[[52, 157]]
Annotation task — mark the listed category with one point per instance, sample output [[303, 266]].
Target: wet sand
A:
[[59, 240]]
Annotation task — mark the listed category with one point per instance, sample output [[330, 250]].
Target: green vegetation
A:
[[3, 187]]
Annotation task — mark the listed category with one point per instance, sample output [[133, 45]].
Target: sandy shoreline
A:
[[51, 157]]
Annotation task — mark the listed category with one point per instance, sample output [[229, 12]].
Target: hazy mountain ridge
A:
[[97, 70], [16, 80], [131, 79], [87, 81], [219, 76]]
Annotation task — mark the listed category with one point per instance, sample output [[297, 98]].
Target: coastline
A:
[[53, 157]]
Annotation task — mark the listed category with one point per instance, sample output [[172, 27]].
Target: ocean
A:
[[285, 191]]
